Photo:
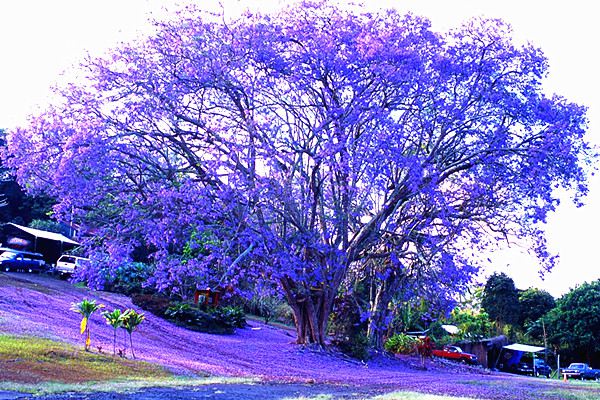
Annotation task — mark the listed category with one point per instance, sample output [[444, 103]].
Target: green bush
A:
[[356, 346], [230, 315], [130, 278], [181, 312], [284, 314], [270, 308], [401, 344], [214, 320]]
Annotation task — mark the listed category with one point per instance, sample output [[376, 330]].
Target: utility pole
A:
[[545, 342]]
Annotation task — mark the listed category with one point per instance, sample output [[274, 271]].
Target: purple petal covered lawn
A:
[[40, 305]]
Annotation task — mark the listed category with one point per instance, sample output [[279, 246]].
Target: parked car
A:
[[541, 368], [455, 353], [17, 260], [524, 368], [67, 264], [527, 368], [581, 371]]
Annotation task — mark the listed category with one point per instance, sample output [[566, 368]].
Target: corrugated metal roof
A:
[[44, 234], [524, 347]]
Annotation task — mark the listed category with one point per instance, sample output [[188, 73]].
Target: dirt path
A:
[[40, 305]]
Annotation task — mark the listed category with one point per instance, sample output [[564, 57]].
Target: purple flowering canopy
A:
[[298, 147]]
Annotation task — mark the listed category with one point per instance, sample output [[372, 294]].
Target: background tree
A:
[[501, 301], [15, 205], [306, 143], [473, 324], [574, 324], [534, 304]]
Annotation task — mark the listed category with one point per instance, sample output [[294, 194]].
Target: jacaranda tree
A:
[[292, 147]]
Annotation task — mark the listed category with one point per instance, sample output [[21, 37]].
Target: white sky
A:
[[40, 39]]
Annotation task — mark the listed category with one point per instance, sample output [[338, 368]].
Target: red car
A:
[[455, 353]]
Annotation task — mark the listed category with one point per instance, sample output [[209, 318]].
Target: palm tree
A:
[[130, 323], [115, 319], [86, 308]]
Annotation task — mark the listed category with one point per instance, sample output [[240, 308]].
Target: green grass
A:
[[43, 366], [573, 395], [32, 360]]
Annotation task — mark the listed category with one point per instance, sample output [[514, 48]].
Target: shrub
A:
[[213, 320], [181, 312], [231, 315], [401, 344], [154, 303], [348, 328], [284, 314], [270, 308], [356, 346], [130, 277]]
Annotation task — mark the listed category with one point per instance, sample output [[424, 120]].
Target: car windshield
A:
[[67, 259], [576, 365]]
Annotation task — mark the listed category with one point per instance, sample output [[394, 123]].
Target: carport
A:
[[511, 354], [50, 244]]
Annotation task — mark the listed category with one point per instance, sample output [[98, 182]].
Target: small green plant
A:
[[115, 319], [401, 343], [86, 308], [130, 321], [180, 311], [233, 316]]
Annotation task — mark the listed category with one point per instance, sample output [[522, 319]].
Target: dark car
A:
[[527, 368], [524, 368], [541, 368], [17, 260]]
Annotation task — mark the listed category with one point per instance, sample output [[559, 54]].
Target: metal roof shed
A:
[[524, 348], [50, 244]]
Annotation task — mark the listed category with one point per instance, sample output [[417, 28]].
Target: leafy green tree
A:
[[86, 308], [574, 324], [131, 320], [472, 324], [501, 301], [50, 226], [535, 303], [115, 319]]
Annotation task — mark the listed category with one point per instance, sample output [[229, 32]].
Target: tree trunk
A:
[[311, 312], [115, 342], [381, 294], [131, 345], [378, 317]]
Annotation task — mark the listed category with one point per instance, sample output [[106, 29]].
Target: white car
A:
[[67, 264]]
